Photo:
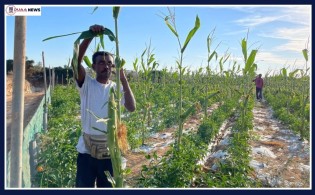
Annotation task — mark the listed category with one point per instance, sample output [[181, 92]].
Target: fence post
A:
[[45, 103], [18, 102]]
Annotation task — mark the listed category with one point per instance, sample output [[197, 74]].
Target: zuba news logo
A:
[[23, 10]]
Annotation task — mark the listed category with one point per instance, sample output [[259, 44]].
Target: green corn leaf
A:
[[250, 60], [89, 34], [190, 110], [183, 71], [102, 41], [117, 62], [244, 49], [87, 61], [208, 43], [170, 27], [74, 63], [53, 37], [293, 73], [155, 65], [221, 64], [110, 178], [95, 8], [98, 47], [86, 34], [226, 58], [213, 94], [191, 33], [284, 72], [151, 59], [143, 52], [227, 74], [135, 65], [122, 63], [305, 54], [214, 53]]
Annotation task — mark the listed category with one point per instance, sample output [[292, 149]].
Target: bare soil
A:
[[33, 93], [158, 143]]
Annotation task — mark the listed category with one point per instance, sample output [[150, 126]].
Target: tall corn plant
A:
[[248, 73], [250, 65], [115, 126], [148, 66], [171, 24], [305, 95], [210, 56]]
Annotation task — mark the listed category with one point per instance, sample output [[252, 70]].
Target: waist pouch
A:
[[97, 146]]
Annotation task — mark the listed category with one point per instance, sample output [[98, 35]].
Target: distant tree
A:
[[39, 64], [29, 64], [9, 65]]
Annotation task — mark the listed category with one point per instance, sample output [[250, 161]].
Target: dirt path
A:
[[31, 103], [280, 158], [158, 142]]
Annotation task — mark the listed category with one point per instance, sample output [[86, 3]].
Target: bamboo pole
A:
[[18, 102]]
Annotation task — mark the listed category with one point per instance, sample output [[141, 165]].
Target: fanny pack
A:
[[97, 145]]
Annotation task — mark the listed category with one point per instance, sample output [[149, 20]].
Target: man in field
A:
[[259, 82], [94, 158]]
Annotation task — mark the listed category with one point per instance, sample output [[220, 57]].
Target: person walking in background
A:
[[259, 82]]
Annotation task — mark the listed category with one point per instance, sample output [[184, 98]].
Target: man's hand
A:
[[96, 28], [122, 75]]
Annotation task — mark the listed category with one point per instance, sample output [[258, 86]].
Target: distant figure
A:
[[259, 86]]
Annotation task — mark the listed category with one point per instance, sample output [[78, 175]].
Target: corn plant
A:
[[148, 67], [250, 65], [115, 126], [171, 24], [208, 69], [305, 97]]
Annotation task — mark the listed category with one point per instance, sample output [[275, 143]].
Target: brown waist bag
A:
[[97, 146]]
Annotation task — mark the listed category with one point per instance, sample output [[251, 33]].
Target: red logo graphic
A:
[[10, 10]]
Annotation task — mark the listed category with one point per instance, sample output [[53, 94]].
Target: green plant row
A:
[[177, 168], [57, 156], [234, 171]]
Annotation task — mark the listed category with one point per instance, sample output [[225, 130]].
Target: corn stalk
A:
[[172, 26], [114, 124], [208, 69], [148, 66], [112, 134]]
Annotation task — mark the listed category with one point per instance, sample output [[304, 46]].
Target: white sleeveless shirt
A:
[[94, 99]]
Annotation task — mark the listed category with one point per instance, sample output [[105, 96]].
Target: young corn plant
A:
[[208, 69], [148, 67], [116, 129], [250, 66], [170, 22]]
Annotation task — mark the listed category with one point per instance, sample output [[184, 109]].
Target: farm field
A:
[[270, 153], [279, 158], [191, 127]]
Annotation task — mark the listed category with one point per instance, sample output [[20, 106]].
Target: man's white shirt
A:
[[94, 101]]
